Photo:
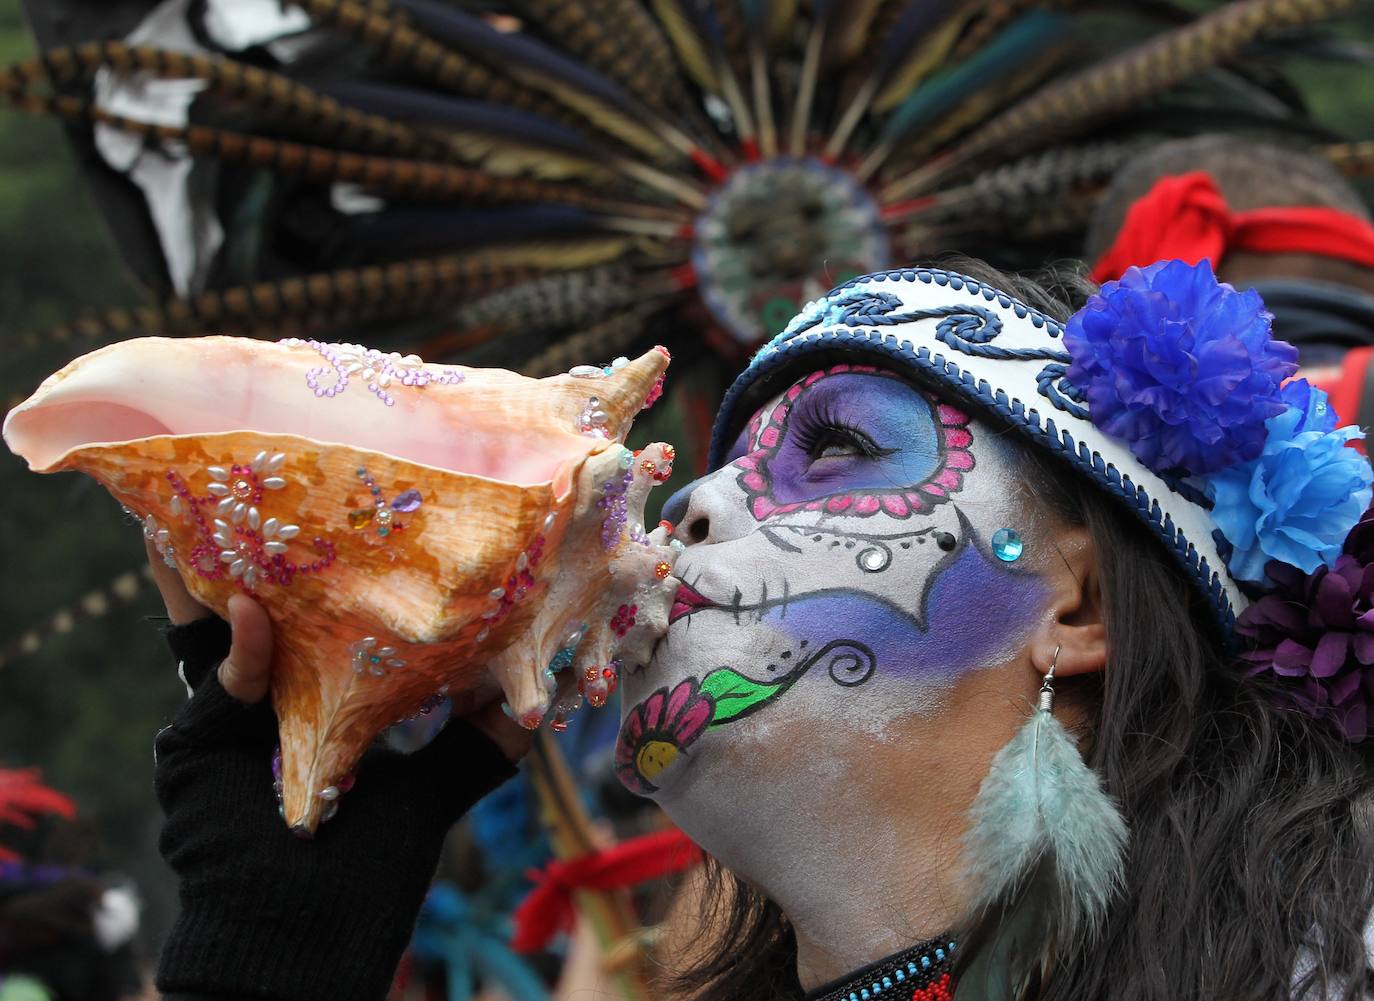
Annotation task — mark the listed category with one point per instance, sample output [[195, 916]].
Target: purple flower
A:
[[1179, 366], [1298, 500], [1315, 633]]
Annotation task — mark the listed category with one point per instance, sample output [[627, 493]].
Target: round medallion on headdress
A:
[[776, 235]]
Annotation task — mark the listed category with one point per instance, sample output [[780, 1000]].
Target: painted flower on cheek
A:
[[659, 729]]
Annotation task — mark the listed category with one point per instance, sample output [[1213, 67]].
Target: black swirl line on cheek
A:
[[851, 663], [873, 552]]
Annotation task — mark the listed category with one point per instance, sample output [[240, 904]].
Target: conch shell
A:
[[407, 526]]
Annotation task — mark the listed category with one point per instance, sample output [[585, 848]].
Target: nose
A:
[[690, 521]]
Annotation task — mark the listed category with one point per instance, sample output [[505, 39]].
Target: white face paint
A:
[[841, 577], [849, 570]]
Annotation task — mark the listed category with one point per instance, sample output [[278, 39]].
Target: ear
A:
[[1074, 626]]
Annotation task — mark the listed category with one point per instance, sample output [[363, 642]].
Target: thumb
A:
[[245, 673]]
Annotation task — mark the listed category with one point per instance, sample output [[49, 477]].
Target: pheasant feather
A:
[[542, 68], [931, 40], [1090, 95], [1352, 159], [1041, 802], [691, 52], [580, 32]]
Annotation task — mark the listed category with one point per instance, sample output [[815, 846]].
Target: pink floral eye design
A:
[[913, 454]]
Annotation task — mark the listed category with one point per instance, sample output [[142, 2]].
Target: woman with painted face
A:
[[1018, 654]]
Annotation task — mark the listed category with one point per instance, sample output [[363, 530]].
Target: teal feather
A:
[[1006, 958], [1009, 52], [1041, 803]]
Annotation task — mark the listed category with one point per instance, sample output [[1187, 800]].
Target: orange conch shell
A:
[[409, 527]]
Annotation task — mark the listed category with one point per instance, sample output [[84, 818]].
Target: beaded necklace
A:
[[920, 973]]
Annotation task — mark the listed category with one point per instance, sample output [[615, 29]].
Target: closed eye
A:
[[829, 439]]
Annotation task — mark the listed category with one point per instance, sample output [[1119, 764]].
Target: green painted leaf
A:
[[735, 695]]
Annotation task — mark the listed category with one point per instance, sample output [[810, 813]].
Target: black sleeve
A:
[[266, 915]]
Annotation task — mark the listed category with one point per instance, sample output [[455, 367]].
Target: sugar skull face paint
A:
[[821, 582], [781, 475]]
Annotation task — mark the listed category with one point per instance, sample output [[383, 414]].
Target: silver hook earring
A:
[[1047, 686]]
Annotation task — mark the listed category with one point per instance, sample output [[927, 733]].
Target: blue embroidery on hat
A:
[[1054, 385], [968, 328]]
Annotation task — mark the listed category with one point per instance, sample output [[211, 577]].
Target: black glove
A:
[[265, 914]]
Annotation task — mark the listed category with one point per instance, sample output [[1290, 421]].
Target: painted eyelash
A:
[[812, 428]]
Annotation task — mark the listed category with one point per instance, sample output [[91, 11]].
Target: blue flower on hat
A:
[[1307, 409], [1179, 366], [1298, 500]]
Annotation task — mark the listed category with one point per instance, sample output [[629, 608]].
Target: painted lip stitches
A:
[[687, 601]]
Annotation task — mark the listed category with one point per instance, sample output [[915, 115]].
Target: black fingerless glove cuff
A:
[[266, 915], [198, 646]]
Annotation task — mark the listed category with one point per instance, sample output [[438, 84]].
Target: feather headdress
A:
[[543, 182]]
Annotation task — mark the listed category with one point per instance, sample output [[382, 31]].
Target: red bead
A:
[[937, 990]]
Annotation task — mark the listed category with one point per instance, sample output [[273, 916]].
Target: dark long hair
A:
[[1248, 873]]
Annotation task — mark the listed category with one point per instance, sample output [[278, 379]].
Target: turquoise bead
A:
[[1007, 545]]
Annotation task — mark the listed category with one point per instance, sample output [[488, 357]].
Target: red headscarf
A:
[[1185, 217]]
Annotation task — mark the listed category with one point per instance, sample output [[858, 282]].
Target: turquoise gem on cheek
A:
[[1007, 545]]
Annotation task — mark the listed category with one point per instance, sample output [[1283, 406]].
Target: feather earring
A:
[[1040, 803]]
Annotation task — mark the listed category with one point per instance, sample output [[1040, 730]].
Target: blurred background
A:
[[85, 679]]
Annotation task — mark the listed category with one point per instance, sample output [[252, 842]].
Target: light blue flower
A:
[[1313, 409], [1299, 499]]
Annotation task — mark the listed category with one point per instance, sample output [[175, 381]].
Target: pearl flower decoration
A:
[[373, 659], [161, 540], [240, 488], [275, 535], [237, 553]]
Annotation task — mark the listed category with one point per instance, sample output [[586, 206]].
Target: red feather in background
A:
[[23, 798]]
